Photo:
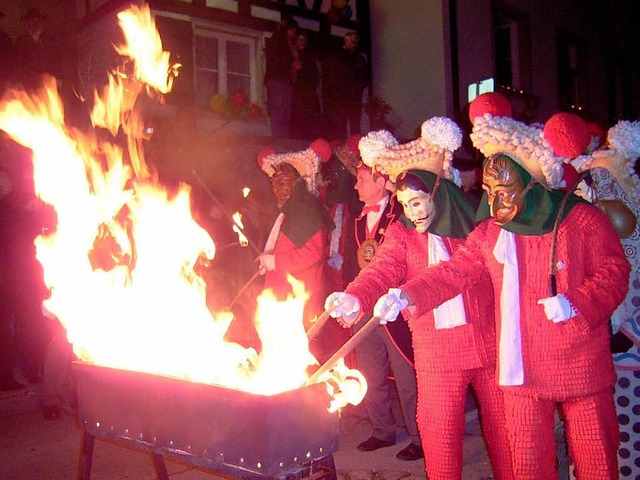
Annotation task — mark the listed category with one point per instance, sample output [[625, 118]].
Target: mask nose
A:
[[495, 203]]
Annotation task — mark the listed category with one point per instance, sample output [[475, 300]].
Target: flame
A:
[[345, 385], [245, 192], [121, 262], [238, 227]]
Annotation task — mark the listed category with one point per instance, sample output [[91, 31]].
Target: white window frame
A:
[[223, 37]]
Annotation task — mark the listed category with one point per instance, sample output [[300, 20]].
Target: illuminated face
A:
[[370, 186], [418, 207], [504, 189], [282, 183]]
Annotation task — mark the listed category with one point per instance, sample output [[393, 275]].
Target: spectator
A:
[[316, 5], [279, 55], [339, 178], [22, 288], [388, 348], [305, 114], [345, 75], [36, 51]]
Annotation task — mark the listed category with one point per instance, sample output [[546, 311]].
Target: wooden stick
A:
[[215, 200], [344, 350], [319, 323], [244, 287]]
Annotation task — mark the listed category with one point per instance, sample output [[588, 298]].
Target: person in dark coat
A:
[[278, 79], [345, 75]]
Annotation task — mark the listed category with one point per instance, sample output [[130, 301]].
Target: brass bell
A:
[[621, 216]]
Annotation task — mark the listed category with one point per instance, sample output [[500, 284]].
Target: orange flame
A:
[[238, 227], [120, 264]]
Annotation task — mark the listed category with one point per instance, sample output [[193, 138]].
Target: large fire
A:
[[120, 264]]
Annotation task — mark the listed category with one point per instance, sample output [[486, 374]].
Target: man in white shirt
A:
[[389, 346]]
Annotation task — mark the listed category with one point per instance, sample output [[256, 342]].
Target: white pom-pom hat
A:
[[618, 156], [306, 162], [540, 150], [432, 151]]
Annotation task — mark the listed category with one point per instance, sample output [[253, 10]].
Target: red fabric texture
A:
[[447, 361], [563, 363], [591, 432], [568, 134], [305, 264], [404, 255], [490, 102], [563, 360]]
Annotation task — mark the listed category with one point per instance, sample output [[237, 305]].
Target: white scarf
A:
[[338, 220], [451, 313], [511, 371], [273, 235]]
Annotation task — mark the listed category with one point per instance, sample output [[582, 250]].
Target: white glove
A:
[[557, 309], [388, 306], [267, 263], [343, 305]]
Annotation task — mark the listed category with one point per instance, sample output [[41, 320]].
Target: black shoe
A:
[[374, 443], [51, 412], [410, 453]]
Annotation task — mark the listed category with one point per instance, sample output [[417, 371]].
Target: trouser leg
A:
[[441, 402], [530, 428], [593, 435], [373, 362], [405, 379], [492, 419]]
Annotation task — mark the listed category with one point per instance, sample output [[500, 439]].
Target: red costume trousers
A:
[[441, 419], [591, 430]]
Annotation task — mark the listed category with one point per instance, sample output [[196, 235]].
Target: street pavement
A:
[[34, 448]]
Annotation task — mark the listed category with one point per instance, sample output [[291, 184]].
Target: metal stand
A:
[[321, 469]]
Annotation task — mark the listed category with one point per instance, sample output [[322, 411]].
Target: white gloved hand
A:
[[557, 309], [388, 306], [345, 305], [267, 263]]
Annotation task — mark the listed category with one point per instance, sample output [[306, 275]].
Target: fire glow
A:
[[120, 264], [238, 227]]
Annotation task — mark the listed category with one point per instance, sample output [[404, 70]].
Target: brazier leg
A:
[[161, 469], [86, 456]]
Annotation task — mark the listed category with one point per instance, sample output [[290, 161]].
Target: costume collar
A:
[[541, 207], [304, 216], [454, 213]]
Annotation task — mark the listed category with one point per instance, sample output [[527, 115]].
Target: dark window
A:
[[512, 49], [572, 71]]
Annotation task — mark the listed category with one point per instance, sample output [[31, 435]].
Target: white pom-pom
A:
[[374, 143], [625, 138], [443, 132]]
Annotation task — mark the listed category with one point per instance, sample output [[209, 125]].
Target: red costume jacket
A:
[[564, 360], [305, 263], [404, 255]]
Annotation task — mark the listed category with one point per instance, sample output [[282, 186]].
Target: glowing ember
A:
[[120, 263], [238, 227]]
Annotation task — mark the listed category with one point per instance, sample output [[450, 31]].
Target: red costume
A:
[[446, 360], [567, 363], [305, 263]]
